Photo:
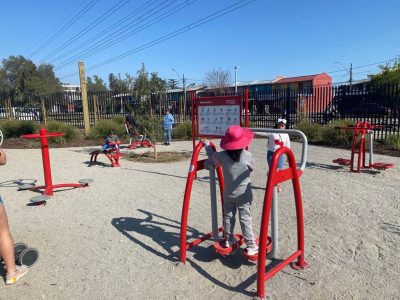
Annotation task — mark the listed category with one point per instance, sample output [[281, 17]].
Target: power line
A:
[[114, 38], [363, 66], [65, 27], [175, 33], [100, 19], [110, 28]]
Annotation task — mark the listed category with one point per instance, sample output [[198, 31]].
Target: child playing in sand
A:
[[14, 273], [236, 163], [275, 141], [111, 141]]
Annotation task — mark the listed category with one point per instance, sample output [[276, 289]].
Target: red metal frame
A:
[[49, 186], [112, 154], [360, 130], [196, 165], [275, 177]]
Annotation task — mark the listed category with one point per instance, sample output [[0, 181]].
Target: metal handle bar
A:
[[288, 131]]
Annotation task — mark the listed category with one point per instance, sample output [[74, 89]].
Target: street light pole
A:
[[236, 67], [184, 89], [184, 94]]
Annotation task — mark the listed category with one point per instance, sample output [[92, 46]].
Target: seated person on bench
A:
[[111, 141]]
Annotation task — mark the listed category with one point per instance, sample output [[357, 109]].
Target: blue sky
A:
[[264, 38]]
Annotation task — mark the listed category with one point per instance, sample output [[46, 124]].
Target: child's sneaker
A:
[[252, 250], [230, 242], [19, 273]]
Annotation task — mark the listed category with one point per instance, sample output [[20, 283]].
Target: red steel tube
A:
[[46, 162], [273, 177], [194, 167]]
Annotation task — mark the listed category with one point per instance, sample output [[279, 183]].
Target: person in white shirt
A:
[[276, 141]]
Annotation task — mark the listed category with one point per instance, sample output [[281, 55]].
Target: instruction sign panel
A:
[[216, 114]]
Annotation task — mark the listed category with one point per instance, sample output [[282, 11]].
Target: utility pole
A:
[[351, 75]]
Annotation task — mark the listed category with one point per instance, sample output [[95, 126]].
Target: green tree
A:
[[156, 84], [117, 84], [22, 76], [390, 73], [141, 87], [98, 85], [172, 84]]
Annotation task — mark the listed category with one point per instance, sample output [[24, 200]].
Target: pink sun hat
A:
[[236, 137]]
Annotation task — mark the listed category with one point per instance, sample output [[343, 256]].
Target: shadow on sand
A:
[[165, 232]]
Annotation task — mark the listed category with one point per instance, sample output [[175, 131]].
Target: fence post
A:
[[43, 107], [95, 108], [85, 106]]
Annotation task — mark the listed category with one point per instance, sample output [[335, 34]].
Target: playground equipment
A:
[[196, 165], [113, 154], [275, 177], [360, 130], [141, 140], [49, 187], [266, 244]]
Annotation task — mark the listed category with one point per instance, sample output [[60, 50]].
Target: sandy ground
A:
[[118, 238]]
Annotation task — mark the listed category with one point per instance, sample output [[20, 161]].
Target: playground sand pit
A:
[[118, 238]]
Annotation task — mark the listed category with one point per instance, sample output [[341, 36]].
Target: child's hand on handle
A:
[[205, 141]]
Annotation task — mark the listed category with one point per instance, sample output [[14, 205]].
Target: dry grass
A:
[[148, 157]]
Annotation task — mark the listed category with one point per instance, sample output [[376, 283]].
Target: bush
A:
[[393, 141], [313, 131], [101, 129], [183, 131], [118, 120], [71, 133], [337, 137], [16, 128]]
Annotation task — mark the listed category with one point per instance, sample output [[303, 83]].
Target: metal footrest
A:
[[381, 166], [342, 161]]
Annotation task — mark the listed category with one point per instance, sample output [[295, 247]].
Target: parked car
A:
[[25, 114], [3, 113]]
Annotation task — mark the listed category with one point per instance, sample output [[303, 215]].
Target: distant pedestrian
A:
[[167, 122]]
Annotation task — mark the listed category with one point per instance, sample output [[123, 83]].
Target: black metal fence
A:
[[322, 105]]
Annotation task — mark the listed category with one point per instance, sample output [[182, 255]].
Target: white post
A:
[[236, 67]]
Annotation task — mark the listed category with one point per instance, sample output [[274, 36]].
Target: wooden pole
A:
[[85, 105], [10, 113]]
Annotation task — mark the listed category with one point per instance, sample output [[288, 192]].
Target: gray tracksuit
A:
[[237, 192]]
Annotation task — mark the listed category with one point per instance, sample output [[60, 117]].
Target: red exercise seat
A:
[[342, 161], [112, 154], [381, 166]]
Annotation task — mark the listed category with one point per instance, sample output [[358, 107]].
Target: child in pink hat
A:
[[236, 163]]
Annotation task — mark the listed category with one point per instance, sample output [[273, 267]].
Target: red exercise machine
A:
[[296, 259], [113, 154], [358, 147], [49, 186]]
